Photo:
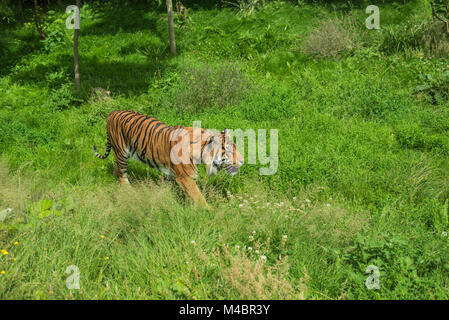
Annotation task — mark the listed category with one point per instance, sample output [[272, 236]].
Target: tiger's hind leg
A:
[[120, 170]]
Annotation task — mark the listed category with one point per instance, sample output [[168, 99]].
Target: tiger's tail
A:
[[108, 151]]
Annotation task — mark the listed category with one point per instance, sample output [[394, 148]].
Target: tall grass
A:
[[363, 158]]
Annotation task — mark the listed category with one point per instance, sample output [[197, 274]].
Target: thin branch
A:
[[434, 13], [37, 20], [446, 22]]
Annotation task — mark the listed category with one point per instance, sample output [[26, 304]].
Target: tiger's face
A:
[[224, 155]]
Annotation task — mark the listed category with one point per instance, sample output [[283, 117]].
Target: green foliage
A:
[[207, 86], [363, 155], [332, 39], [417, 34], [434, 87], [40, 210], [62, 98], [6, 13], [404, 271], [44, 208], [440, 215]]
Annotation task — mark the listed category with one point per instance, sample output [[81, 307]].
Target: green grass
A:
[[363, 158]]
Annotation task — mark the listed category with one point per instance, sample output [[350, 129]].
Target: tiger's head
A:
[[222, 154]]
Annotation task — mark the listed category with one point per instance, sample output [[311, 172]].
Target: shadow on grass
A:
[[128, 75], [356, 4], [114, 19], [124, 77], [137, 172], [14, 46]]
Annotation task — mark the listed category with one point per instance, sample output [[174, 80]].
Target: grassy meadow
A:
[[363, 174]]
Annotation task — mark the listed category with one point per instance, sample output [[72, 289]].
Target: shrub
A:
[[427, 36], [330, 40], [435, 40], [209, 86], [245, 278], [62, 98], [6, 13], [434, 87], [404, 271]]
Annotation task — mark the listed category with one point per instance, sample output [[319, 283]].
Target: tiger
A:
[[173, 150]]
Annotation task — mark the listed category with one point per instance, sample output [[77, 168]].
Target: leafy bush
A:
[[434, 87], [62, 98], [6, 13], [397, 38], [404, 271], [425, 35], [332, 39], [54, 39]]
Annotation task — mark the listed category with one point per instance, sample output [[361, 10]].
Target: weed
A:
[[363, 151], [209, 86], [330, 40]]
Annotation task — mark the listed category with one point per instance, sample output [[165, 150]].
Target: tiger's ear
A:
[[225, 131]]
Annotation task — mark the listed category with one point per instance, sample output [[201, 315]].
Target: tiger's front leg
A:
[[191, 189]]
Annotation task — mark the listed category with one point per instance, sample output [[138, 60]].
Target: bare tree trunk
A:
[[75, 49], [171, 28], [22, 17], [60, 4], [37, 20]]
